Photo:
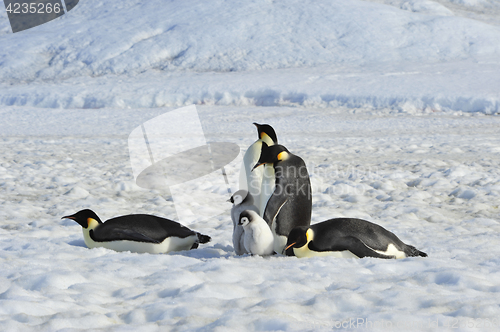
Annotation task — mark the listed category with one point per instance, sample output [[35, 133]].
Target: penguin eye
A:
[[244, 220]]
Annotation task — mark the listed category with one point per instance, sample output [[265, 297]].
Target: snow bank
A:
[[303, 53]]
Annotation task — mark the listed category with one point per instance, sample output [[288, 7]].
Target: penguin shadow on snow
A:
[[77, 243]]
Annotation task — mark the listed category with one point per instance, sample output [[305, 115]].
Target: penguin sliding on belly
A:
[[141, 233], [259, 183], [290, 204], [242, 200], [347, 238]]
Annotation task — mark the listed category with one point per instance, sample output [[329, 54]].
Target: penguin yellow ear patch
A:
[[309, 235], [91, 223], [281, 155]]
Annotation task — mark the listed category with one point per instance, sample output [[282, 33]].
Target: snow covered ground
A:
[[392, 104]]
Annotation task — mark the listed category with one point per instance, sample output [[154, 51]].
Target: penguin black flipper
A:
[[352, 244], [273, 207]]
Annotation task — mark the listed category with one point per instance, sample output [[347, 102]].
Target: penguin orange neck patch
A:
[[282, 155]]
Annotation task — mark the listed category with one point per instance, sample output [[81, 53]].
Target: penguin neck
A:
[[266, 139], [92, 225], [304, 251]]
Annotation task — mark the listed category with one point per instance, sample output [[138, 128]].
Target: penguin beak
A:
[[73, 218], [257, 165], [289, 246]]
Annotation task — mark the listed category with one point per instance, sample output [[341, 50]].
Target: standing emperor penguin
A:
[[242, 201], [290, 204], [259, 183]]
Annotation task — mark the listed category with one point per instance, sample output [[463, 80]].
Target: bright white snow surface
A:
[[391, 104]]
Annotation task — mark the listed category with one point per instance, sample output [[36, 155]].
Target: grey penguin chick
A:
[[242, 200], [258, 237]]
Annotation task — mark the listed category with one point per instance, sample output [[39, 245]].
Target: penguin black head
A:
[[82, 217], [272, 154], [298, 237], [265, 131], [247, 217], [241, 196]]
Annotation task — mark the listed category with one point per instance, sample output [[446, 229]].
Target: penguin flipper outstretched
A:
[[354, 245], [121, 234], [273, 207]]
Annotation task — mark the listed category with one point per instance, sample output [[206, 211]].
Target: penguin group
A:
[[271, 214], [285, 212]]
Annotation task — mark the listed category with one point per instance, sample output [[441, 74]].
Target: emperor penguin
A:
[[242, 200], [141, 233], [260, 183], [291, 202], [347, 238], [258, 238]]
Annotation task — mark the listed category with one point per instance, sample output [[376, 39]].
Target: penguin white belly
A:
[[306, 252], [279, 242], [268, 183], [260, 182], [251, 180], [168, 245]]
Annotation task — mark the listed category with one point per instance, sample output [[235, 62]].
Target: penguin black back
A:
[[151, 227]]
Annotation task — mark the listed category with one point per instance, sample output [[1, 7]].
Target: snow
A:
[[392, 104]]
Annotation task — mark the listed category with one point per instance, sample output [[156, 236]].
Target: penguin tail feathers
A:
[[411, 251], [203, 238]]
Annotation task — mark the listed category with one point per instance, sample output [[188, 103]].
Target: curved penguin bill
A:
[[141, 233], [348, 238], [260, 183], [271, 154]]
